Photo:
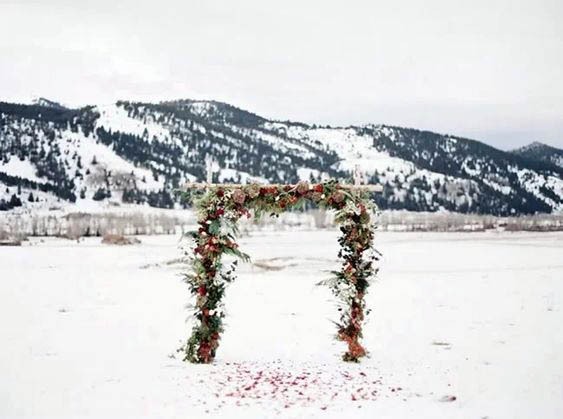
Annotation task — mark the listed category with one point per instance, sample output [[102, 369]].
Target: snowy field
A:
[[464, 325]]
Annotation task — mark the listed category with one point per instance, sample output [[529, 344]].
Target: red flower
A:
[[201, 290], [244, 211], [220, 193], [318, 188], [204, 352], [219, 212]]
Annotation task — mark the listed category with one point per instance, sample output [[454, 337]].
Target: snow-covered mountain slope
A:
[[142, 152], [542, 152], [41, 101]]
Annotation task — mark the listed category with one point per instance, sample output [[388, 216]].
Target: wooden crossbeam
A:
[[202, 185]]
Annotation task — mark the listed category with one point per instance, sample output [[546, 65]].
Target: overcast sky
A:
[[490, 70]]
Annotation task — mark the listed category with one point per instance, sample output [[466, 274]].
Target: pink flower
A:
[[302, 188], [239, 196], [338, 196]]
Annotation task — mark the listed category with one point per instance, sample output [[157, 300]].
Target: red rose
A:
[[220, 193], [318, 188], [201, 290], [203, 351], [219, 212]]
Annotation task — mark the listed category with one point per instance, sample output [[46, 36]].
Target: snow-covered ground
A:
[[464, 325]]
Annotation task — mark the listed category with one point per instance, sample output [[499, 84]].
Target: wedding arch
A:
[[220, 206]]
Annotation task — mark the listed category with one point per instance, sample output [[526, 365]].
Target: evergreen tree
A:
[[101, 194], [15, 201]]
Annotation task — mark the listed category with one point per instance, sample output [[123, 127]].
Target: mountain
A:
[[41, 101], [541, 152], [130, 152]]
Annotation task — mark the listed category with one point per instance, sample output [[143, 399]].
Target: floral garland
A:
[[219, 209]]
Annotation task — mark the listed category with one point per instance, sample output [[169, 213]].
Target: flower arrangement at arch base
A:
[[218, 210]]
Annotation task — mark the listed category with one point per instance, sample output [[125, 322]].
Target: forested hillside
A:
[[52, 156]]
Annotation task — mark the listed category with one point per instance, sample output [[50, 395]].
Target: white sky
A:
[[490, 70]]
